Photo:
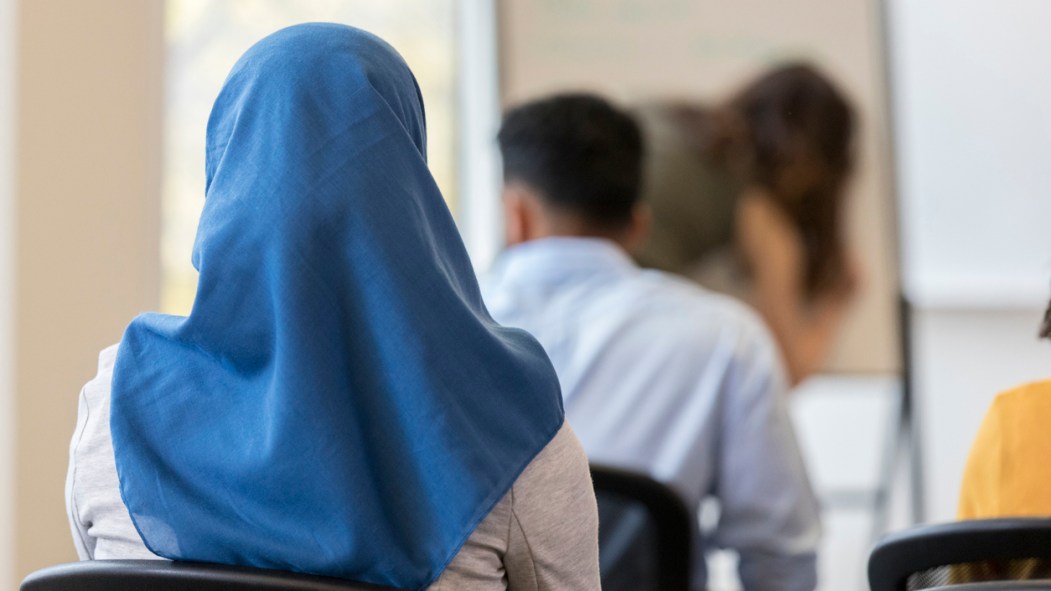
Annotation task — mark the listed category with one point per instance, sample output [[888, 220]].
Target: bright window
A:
[[206, 37]]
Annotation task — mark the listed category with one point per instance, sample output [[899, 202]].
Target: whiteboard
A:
[[635, 50], [971, 90]]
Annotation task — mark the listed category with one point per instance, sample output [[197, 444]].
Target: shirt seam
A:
[[525, 538]]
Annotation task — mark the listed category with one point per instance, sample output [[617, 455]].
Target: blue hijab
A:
[[339, 400]]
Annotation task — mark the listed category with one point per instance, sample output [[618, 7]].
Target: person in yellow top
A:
[[1007, 472]]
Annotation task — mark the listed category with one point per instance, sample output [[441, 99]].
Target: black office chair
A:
[[965, 556], [998, 586], [645, 533], [164, 575]]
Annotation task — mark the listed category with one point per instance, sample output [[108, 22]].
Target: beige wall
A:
[[691, 48], [87, 215]]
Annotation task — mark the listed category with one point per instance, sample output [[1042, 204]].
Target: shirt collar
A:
[[557, 258]]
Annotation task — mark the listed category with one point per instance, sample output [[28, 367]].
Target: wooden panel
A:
[[88, 163]]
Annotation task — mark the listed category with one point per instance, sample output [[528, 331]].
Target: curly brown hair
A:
[[792, 132]]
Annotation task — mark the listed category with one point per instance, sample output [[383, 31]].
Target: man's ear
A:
[[638, 229], [517, 219]]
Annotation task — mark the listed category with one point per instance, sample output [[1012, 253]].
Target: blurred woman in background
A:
[[747, 198]]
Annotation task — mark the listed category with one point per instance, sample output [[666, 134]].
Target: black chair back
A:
[[165, 575], [961, 556], [645, 533], [998, 586]]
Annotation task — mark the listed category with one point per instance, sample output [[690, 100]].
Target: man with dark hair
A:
[[657, 374], [582, 155]]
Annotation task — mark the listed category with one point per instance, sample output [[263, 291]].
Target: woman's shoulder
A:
[[560, 465], [107, 357], [1018, 417], [1026, 398], [543, 531], [98, 387], [553, 539]]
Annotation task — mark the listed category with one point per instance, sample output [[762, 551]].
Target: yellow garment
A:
[[1008, 473]]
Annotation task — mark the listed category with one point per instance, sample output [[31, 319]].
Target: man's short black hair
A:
[[582, 154]]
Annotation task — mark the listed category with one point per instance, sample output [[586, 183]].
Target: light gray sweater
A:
[[542, 535]]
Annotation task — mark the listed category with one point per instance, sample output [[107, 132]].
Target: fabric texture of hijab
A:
[[339, 400]]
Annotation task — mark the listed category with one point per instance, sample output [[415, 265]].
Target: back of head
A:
[[582, 155], [792, 132]]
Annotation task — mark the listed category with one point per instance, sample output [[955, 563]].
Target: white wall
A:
[[479, 120], [972, 100], [7, 184]]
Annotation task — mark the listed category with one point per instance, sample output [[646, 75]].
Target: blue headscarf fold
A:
[[338, 401]]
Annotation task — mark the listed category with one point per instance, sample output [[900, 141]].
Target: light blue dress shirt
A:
[[661, 376]]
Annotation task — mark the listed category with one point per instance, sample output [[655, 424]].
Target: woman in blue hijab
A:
[[339, 401]]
